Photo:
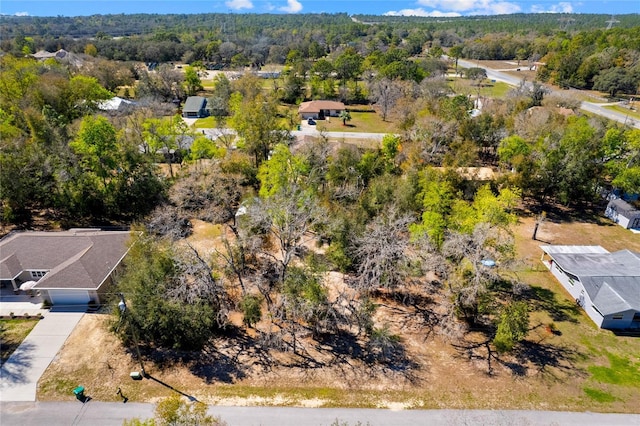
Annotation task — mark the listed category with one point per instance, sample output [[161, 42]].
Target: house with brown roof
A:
[[318, 110], [73, 267]]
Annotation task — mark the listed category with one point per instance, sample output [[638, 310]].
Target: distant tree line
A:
[[576, 51]]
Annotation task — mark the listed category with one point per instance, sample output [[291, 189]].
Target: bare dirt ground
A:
[[549, 371]]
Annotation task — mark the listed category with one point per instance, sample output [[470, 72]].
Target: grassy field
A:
[[625, 111], [363, 119], [12, 333]]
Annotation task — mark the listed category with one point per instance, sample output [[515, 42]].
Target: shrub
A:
[[250, 306]]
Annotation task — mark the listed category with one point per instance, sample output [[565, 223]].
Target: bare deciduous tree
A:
[[195, 282], [168, 221], [289, 215], [211, 195], [380, 251], [385, 93], [471, 274]]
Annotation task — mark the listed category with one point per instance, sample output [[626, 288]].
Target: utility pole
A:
[[612, 22], [122, 305]]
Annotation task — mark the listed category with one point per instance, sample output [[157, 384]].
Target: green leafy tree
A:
[[347, 65], [614, 80], [85, 93], [97, 145], [512, 327], [192, 81], [322, 68], [513, 150], [281, 171], [175, 411], [165, 136], [306, 299], [345, 116], [218, 102], [475, 73], [438, 196], [456, 53], [390, 149], [203, 147], [173, 300], [257, 124]]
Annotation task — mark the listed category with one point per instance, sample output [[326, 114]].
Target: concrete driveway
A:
[[20, 374]]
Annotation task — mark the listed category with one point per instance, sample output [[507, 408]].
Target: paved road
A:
[[339, 135], [587, 106], [305, 131], [103, 413], [20, 374]]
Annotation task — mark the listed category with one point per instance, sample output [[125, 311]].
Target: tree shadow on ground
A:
[[228, 358], [343, 346], [478, 351], [396, 361], [150, 377], [542, 299], [586, 212], [14, 370], [546, 358]]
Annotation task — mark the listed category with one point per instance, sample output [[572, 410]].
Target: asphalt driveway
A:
[[20, 374]]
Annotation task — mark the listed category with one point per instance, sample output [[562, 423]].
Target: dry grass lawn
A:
[[572, 369], [12, 333]]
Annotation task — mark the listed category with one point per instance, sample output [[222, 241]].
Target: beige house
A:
[[318, 110]]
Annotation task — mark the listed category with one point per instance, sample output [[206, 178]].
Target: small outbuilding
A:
[[195, 107], [623, 213], [606, 285], [318, 110]]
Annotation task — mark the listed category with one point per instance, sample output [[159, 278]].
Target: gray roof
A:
[[573, 249], [622, 207], [80, 259], [612, 280], [194, 103]]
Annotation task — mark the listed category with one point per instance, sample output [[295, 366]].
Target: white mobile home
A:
[[606, 285]]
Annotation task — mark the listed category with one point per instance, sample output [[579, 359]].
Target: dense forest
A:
[[577, 49], [389, 216]]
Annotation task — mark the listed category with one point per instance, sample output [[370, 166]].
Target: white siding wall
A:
[[575, 288], [623, 221]]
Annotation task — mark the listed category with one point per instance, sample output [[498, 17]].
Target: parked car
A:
[[311, 122]]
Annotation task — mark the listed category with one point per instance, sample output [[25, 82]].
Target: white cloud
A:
[[421, 12], [21, 14], [562, 7], [239, 4], [473, 7], [293, 6]]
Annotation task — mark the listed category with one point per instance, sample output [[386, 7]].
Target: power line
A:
[[612, 22]]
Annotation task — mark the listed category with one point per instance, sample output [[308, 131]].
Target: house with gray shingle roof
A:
[[69, 268], [195, 107], [606, 285], [623, 213]]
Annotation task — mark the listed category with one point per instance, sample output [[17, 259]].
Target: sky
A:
[[435, 8]]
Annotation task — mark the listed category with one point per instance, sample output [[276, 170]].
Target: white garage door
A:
[[69, 297]]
